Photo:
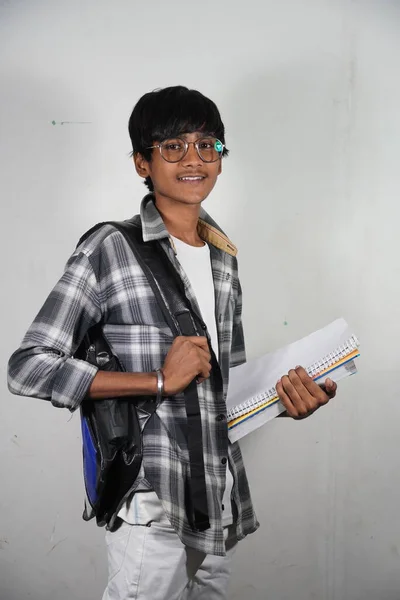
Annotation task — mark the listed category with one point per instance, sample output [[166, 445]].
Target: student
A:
[[178, 141]]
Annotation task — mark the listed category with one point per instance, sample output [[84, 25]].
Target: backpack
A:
[[111, 433]]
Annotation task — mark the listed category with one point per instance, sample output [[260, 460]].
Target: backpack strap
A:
[[169, 292]]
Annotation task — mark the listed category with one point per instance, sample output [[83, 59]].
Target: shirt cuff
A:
[[72, 383]]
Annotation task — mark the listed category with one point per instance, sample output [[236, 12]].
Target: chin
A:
[[185, 193], [193, 197]]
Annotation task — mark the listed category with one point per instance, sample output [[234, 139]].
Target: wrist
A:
[[149, 383]]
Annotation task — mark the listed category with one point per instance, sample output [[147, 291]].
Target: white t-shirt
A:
[[196, 262]]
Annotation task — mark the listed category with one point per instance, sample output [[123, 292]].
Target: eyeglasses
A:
[[209, 149]]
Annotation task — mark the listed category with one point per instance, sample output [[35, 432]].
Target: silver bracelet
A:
[[160, 385]]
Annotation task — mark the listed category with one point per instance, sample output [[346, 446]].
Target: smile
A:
[[193, 178]]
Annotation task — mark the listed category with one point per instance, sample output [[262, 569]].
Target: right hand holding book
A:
[[301, 395], [253, 395]]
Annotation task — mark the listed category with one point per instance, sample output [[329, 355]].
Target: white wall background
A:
[[310, 94]]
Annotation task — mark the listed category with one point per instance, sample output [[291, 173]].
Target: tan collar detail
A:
[[171, 241], [210, 234]]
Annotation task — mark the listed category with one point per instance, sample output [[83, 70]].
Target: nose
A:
[[191, 157]]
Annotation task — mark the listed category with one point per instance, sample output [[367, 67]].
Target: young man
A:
[[178, 142]]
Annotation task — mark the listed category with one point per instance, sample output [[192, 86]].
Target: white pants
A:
[[149, 562]]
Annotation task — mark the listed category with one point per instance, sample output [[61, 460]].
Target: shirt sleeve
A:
[[44, 366], [238, 349]]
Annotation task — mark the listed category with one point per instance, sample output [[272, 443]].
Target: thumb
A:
[[330, 387]]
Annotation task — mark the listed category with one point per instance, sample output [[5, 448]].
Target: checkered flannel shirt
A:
[[102, 281]]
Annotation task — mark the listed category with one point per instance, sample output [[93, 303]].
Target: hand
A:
[[301, 396], [188, 358]]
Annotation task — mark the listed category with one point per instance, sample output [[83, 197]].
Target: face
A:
[[188, 181]]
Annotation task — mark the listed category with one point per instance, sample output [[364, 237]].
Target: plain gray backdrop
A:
[[310, 94]]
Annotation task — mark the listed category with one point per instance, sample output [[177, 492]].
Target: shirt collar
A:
[[154, 229]]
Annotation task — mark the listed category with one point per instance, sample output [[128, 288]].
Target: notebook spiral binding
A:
[[313, 371]]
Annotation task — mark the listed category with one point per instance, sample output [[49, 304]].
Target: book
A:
[[252, 399]]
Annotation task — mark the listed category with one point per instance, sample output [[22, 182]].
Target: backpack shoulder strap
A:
[[93, 229], [162, 277]]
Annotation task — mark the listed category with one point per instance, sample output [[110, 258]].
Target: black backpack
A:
[[111, 433]]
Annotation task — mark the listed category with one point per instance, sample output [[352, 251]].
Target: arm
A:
[[188, 358], [44, 365], [108, 384]]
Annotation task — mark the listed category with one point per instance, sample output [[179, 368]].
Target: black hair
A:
[[169, 112]]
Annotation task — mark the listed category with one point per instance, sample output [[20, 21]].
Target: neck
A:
[[180, 220]]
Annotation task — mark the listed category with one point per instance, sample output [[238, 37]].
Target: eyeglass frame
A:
[[187, 144]]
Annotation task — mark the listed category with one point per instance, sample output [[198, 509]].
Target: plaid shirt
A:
[[102, 281]]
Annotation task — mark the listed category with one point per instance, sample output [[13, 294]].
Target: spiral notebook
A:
[[252, 399]]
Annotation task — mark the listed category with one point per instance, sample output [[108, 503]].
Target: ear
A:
[[141, 165], [220, 167]]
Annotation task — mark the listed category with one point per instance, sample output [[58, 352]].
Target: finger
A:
[[188, 342], [330, 388], [199, 340], [201, 348], [287, 403], [194, 351], [316, 392], [302, 403], [204, 354], [307, 398], [205, 370]]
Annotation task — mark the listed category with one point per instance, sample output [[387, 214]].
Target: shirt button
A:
[[223, 461], [220, 417]]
